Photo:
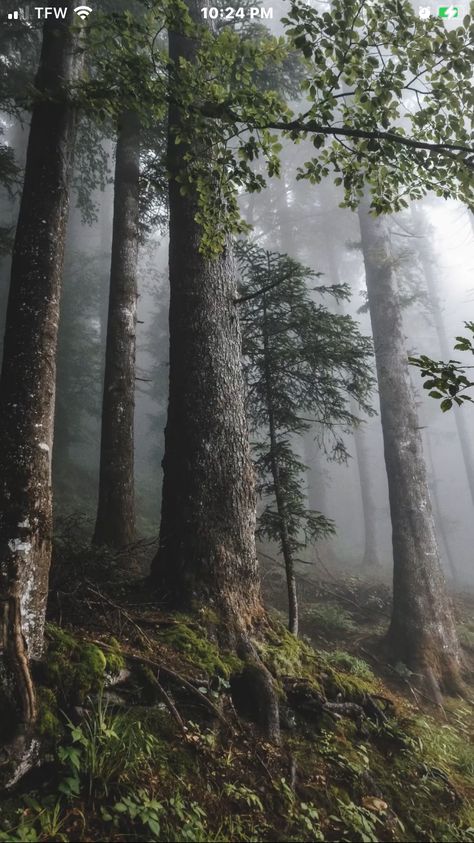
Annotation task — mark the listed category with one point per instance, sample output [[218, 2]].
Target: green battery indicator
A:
[[448, 12]]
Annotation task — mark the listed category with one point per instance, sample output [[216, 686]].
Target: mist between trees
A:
[[218, 251]]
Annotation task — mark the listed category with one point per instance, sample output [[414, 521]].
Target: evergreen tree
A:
[[303, 367]]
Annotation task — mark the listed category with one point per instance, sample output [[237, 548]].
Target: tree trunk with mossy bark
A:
[[207, 555], [115, 524], [422, 633], [27, 391]]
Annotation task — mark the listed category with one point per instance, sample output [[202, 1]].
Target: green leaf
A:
[[446, 404]]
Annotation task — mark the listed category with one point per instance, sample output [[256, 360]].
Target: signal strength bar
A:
[[13, 15]]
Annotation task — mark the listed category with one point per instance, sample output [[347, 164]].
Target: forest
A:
[[236, 448]]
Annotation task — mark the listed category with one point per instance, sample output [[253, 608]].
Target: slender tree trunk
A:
[[427, 264], [422, 632], [279, 498], [207, 553], [27, 386], [115, 524]]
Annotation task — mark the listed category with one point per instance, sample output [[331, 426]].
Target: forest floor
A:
[[146, 737]]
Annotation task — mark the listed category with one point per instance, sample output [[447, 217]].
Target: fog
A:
[[306, 223]]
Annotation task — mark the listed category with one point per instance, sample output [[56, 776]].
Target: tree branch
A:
[[260, 292], [375, 134], [311, 126]]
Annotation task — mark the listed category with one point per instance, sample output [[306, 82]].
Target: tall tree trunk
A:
[[207, 551], [427, 264], [422, 632], [27, 386], [115, 524], [207, 555], [279, 497]]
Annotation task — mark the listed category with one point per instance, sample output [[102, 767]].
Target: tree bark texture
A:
[[422, 633], [27, 386], [207, 553], [115, 524]]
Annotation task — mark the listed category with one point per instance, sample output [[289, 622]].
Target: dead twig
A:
[[123, 611], [168, 702]]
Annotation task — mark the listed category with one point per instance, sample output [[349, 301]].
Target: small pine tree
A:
[[303, 365]]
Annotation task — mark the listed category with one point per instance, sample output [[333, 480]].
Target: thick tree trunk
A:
[[115, 525], [207, 553], [422, 632], [27, 387]]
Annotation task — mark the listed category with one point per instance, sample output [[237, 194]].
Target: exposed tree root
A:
[[170, 674], [306, 700], [257, 681], [18, 750]]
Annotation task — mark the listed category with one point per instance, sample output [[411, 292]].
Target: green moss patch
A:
[[191, 641], [74, 669]]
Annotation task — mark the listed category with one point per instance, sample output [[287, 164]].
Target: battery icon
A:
[[448, 12]]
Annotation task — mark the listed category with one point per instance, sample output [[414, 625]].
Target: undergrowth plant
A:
[[349, 663], [109, 750], [330, 618]]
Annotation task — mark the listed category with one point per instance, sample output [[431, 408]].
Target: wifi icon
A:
[[83, 11]]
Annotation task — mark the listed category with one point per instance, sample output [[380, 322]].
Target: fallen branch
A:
[[171, 674], [168, 702], [303, 697]]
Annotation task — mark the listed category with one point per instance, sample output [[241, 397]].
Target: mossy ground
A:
[[129, 772]]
